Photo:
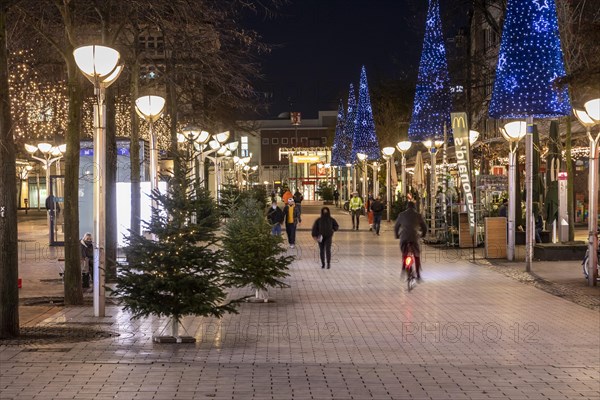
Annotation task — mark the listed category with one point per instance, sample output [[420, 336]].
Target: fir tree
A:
[[180, 271], [365, 139], [432, 106], [340, 155], [530, 62], [252, 253]]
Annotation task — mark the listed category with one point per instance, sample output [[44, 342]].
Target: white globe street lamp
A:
[[589, 118], [150, 109], [403, 147], [513, 132], [433, 146], [100, 64], [388, 156]]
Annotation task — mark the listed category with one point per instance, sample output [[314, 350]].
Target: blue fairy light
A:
[[364, 138], [529, 63], [432, 104]]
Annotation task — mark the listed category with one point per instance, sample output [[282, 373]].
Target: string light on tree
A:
[[350, 122], [340, 153], [529, 63], [432, 105], [364, 139]]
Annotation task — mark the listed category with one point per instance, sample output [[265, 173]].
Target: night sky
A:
[[322, 44]]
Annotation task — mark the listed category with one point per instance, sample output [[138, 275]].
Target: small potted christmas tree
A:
[[179, 271], [254, 256]]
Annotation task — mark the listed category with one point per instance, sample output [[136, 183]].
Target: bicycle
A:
[[409, 265], [586, 264]]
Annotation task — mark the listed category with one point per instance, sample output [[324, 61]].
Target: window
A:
[[313, 142], [274, 141], [304, 140], [293, 141], [265, 141], [244, 150], [284, 140], [323, 141]]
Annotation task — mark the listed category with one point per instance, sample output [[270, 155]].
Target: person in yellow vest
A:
[[292, 218], [356, 205]]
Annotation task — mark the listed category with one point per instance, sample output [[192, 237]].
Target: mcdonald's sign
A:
[[460, 129]]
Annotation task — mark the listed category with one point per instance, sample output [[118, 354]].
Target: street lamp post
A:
[[388, 155], [50, 155], [363, 159], [589, 118], [433, 146], [403, 147], [100, 65], [513, 132], [150, 109]]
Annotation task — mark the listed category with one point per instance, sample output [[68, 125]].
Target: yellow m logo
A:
[[458, 122]]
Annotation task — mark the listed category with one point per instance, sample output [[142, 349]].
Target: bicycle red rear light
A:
[[408, 260]]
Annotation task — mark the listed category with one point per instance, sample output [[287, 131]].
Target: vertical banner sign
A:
[[463, 162]]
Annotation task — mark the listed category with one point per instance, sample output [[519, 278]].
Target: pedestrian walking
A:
[[86, 259], [275, 217], [322, 232], [298, 197], [377, 210], [356, 205], [503, 210], [292, 219], [336, 197]]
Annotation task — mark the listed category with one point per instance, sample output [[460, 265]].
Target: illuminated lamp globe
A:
[[214, 145], [45, 147], [584, 118], [97, 62], [515, 131], [150, 108], [191, 132], [222, 137], [428, 144], [592, 107], [254, 168], [232, 146], [62, 148], [404, 145], [388, 151], [473, 136], [361, 156], [30, 149]]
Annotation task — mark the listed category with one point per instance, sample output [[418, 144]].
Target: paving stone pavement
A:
[[351, 332]]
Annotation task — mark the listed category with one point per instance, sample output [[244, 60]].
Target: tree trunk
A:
[[570, 179], [73, 289], [9, 260], [134, 149], [111, 187]]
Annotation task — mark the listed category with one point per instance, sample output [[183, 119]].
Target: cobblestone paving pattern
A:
[[351, 332]]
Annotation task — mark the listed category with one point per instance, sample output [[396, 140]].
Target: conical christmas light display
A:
[[350, 124], [364, 139], [431, 110], [341, 151], [529, 63]]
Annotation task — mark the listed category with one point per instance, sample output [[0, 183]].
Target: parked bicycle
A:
[[586, 263]]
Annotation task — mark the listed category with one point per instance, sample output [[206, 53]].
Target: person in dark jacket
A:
[[377, 209], [275, 217], [407, 227], [503, 209], [298, 197], [291, 216], [336, 197], [322, 232], [87, 259]]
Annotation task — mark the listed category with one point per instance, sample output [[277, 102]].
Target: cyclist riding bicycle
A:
[[408, 225]]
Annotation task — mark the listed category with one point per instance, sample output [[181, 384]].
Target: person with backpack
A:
[[322, 232], [292, 218], [377, 208]]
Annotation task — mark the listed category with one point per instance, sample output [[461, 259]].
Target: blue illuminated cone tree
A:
[[341, 150], [529, 63], [432, 105], [350, 124], [364, 139]]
